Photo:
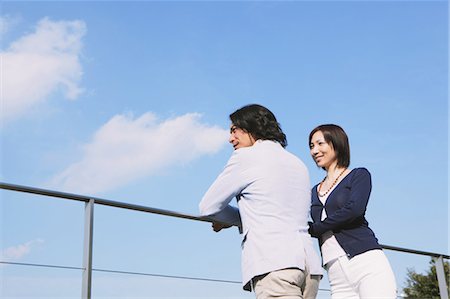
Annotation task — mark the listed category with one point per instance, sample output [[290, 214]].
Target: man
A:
[[273, 193]]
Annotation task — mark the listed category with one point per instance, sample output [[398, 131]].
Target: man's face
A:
[[240, 138]]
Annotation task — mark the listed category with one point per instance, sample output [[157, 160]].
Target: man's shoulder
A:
[[255, 152]]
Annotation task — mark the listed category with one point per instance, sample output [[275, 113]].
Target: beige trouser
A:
[[286, 284]]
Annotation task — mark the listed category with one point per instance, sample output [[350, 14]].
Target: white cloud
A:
[[40, 63], [125, 149], [6, 23], [19, 251]]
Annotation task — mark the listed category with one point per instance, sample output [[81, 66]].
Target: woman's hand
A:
[[311, 230]]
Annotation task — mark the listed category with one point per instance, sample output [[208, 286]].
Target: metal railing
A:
[[89, 221]]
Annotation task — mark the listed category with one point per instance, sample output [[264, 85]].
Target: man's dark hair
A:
[[337, 138], [260, 122]]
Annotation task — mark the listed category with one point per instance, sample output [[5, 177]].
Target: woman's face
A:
[[321, 151]]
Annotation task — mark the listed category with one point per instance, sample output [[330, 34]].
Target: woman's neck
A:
[[333, 171]]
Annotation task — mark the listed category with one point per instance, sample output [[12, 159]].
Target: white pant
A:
[[367, 275], [287, 284]]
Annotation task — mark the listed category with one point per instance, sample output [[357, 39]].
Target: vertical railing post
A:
[[441, 277], [87, 251]]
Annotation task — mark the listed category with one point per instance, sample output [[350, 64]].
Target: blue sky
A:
[[129, 101]]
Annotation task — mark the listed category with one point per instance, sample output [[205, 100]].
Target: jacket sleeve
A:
[[354, 208], [215, 202]]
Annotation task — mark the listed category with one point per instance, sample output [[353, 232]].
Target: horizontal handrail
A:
[[420, 252], [100, 201], [117, 204]]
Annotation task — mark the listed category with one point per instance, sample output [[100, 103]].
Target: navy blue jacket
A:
[[345, 207]]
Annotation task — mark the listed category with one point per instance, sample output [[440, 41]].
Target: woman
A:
[[356, 265]]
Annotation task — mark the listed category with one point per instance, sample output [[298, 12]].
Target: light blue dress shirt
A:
[[273, 193]]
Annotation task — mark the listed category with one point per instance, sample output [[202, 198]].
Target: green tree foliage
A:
[[425, 285]]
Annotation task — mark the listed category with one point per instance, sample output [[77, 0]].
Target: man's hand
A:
[[217, 226]]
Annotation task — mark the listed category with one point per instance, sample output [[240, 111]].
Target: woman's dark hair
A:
[[337, 138], [260, 122]]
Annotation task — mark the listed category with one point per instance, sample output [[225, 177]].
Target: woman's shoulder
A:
[[360, 173]]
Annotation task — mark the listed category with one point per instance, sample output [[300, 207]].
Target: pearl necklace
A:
[[331, 187]]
